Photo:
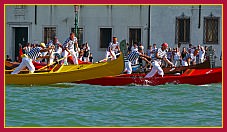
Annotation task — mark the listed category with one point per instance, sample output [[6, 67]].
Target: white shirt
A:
[[134, 48], [114, 47], [69, 43], [161, 53], [201, 54]]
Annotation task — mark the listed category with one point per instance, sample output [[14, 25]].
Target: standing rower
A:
[[160, 55], [68, 47], [113, 49], [28, 58]]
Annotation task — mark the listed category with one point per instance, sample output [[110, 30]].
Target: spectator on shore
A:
[[8, 58]]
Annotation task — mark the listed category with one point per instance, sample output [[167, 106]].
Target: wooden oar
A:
[[172, 69], [52, 63]]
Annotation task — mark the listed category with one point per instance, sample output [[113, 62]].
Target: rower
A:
[[133, 56], [28, 58], [160, 55], [113, 49], [68, 47]]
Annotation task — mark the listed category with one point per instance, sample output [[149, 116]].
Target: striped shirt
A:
[[34, 53], [133, 56], [69, 43], [162, 54]]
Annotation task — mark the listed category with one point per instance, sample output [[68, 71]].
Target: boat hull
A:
[[191, 76], [69, 73]]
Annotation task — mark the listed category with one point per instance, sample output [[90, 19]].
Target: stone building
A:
[[147, 24]]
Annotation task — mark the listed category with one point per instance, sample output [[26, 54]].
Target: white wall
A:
[[118, 17], [163, 24]]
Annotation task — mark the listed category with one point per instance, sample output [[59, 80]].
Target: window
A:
[[182, 29], [80, 35], [134, 35], [105, 37], [211, 26], [49, 32]]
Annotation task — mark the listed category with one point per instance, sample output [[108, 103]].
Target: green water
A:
[[74, 105]]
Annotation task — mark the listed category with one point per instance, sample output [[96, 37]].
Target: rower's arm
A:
[[44, 57], [166, 60], [157, 56], [46, 49], [60, 45], [119, 49], [145, 56], [67, 51], [145, 59]]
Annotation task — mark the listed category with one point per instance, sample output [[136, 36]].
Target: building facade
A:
[[147, 24]]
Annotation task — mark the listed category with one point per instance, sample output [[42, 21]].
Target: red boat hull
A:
[[190, 76]]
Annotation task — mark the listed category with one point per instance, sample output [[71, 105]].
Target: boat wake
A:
[[205, 85]]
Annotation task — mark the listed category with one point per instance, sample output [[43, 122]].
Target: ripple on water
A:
[[88, 105]]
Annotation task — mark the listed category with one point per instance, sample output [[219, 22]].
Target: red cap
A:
[[164, 45]]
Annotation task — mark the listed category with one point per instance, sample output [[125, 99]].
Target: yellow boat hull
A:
[[69, 73]]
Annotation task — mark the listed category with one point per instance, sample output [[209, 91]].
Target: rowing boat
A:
[[190, 76], [67, 73], [12, 65], [169, 70]]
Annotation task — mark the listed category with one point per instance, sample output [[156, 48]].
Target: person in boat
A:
[[192, 57], [149, 50], [28, 58], [134, 55], [177, 57], [154, 51], [184, 55], [68, 49], [140, 60], [91, 58], [156, 63], [201, 54], [190, 48], [77, 50], [169, 56], [134, 47], [86, 50], [27, 48], [55, 53], [8, 58], [113, 49]]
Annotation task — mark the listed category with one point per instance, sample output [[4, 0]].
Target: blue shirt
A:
[[134, 55], [34, 53]]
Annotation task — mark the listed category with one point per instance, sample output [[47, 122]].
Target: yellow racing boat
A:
[[68, 73]]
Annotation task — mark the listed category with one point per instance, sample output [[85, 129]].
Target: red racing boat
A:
[[190, 76]]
